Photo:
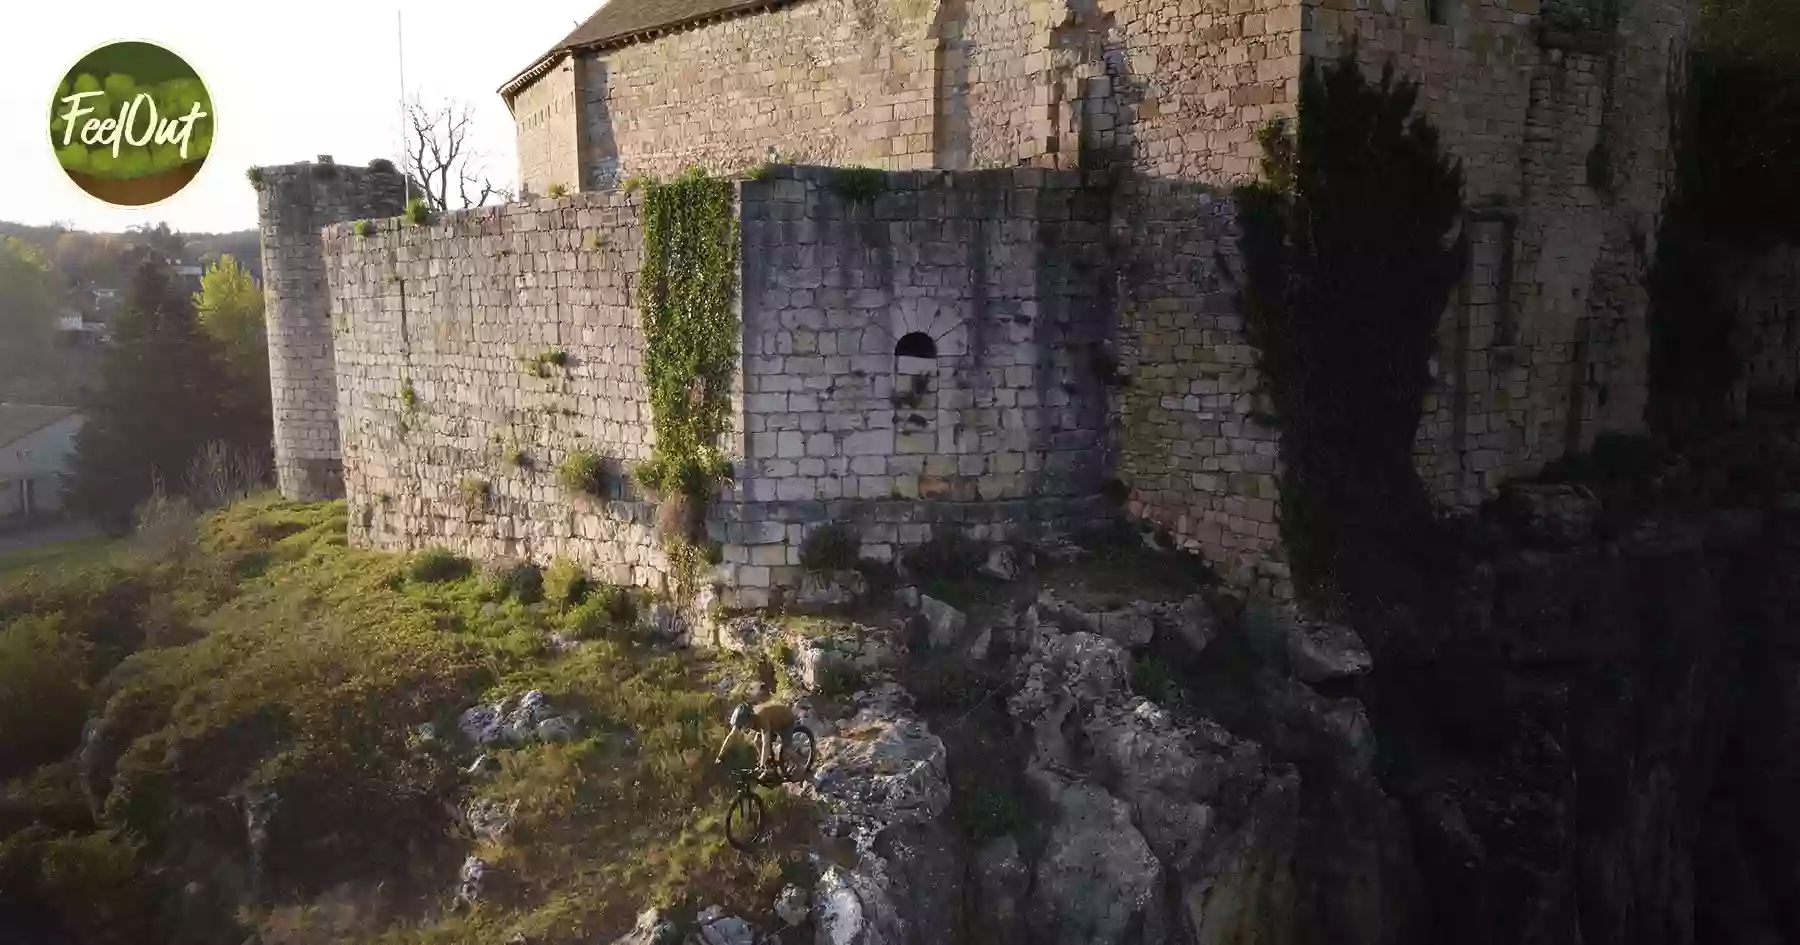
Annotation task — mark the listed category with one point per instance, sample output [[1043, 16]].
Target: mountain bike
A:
[[747, 817]]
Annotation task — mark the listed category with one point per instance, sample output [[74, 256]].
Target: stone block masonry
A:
[[294, 202], [927, 354], [475, 355]]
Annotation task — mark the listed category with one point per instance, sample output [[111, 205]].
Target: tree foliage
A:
[[1352, 252], [160, 400], [230, 308], [26, 303]]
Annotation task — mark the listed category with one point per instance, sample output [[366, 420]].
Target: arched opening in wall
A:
[[915, 370]]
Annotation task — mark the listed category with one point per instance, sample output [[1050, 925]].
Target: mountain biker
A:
[[769, 722]]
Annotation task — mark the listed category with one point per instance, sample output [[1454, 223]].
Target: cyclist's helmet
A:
[[742, 716]]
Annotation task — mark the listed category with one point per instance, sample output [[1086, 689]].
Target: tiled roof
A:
[[621, 21], [18, 421]]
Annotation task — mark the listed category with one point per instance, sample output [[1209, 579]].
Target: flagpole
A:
[[400, 47]]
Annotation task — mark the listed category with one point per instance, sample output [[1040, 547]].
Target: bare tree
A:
[[451, 173]]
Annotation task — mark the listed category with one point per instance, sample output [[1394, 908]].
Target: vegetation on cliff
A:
[[1350, 260], [253, 655]]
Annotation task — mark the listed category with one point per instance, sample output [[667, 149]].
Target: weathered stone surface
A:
[[792, 905], [944, 621], [1097, 879], [489, 819], [1552, 514], [651, 928], [1002, 881], [714, 927], [1002, 563], [830, 590]]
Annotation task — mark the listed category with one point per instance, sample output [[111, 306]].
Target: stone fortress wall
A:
[[294, 203], [933, 356], [929, 357], [452, 427], [1111, 237], [1764, 292]]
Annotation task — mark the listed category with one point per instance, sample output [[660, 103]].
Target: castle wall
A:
[[458, 312], [1197, 450], [929, 357], [1764, 292], [1562, 124], [823, 82], [293, 203], [545, 123]]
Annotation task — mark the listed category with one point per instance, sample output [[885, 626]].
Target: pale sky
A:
[[289, 82]]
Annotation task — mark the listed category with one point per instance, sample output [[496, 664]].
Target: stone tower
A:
[[294, 202]]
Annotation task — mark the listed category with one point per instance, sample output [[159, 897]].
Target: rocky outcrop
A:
[[1161, 829]]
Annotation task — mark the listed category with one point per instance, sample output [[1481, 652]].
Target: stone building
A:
[[1075, 211]]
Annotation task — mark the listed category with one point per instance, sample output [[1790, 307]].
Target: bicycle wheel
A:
[[797, 755], [744, 821]]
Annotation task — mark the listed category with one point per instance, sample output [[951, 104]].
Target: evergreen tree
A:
[[157, 404]]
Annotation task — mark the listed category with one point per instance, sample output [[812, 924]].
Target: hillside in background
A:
[[44, 357]]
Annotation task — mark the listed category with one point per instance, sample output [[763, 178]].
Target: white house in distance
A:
[[37, 447]]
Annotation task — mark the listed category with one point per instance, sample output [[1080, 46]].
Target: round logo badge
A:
[[131, 123]]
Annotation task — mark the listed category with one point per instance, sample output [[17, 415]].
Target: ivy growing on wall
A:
[[1351, 254], [686, 294]]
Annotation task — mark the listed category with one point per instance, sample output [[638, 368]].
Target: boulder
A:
[[907, 598], [822, 591], [1554, 514], [1001, 884], [481, 725], [1002, 563], [1097, 881], [484, 766], [1192, 622], [713, 927], [1318, 651], [792, 906], [748, 633], [851, 908], [945, 622], [489, 819], [878, 772], [651, 928], [557, 728], [519, 722], [1133, 625], [468, 881]]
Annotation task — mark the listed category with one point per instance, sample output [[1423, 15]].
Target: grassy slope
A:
[[271, 655]]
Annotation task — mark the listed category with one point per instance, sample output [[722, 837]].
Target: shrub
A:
[[43, 691], [558, 190], [362, 228], [255, 176], [834, 547], [519, 580], [839, 679], [437, 565], [1153, 678], [565, 583], [475, 493], [418, 212], [409, 398], [607, 610], [858, 184], [382, 165], [584, 472], [948, 555], [518, 457]]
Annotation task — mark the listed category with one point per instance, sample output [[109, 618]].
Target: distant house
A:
[[37, 447]]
